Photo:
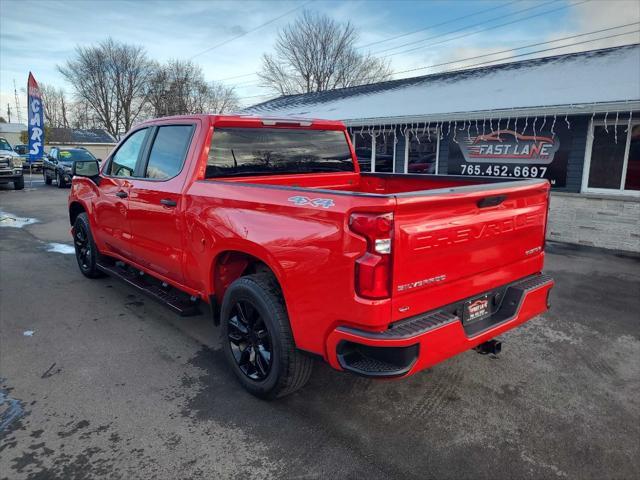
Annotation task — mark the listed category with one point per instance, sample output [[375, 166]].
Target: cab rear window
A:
[[275, 151]]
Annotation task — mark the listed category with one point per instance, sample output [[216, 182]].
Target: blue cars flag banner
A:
[[36, 120]]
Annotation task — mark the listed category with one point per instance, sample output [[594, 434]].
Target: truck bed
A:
[[384, 184], [454, 236]]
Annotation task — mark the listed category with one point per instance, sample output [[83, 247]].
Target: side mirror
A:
[[85, 168]]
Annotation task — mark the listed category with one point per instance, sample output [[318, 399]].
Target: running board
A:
[[176, 300]]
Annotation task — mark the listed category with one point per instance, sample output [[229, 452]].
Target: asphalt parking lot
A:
[[97, 381]]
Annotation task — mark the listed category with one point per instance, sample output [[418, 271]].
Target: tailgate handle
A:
[[491, 201]]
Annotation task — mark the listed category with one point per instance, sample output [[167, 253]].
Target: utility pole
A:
[[15, 93], [9, 112]]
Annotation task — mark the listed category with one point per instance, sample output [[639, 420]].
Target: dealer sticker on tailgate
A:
[[477, 309]]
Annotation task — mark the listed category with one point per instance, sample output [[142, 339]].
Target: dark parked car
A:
[[23, 151], [58, 164]]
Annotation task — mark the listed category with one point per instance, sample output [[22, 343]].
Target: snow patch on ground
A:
[[61, 248], [10, 220]]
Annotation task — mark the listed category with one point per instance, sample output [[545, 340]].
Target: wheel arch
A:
[[75, 209], [229, 265]]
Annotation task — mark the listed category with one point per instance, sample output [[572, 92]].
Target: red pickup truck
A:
[[300, 255]]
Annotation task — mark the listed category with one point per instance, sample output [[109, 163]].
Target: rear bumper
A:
[[427, 339]]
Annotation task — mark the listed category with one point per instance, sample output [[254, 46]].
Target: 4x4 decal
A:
[[316, 202]]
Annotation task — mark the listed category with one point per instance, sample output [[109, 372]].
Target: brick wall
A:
[[599, 221]]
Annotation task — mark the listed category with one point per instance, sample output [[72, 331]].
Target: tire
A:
[[87, 254], [260, 297], [60, 181], [18, 184], [47, 178]]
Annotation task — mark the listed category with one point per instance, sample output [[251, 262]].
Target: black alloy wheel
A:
[[250, 341], [87, 253], [83, 246], [257, 339]]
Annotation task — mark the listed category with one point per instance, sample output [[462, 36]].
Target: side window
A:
[[123, 163], [168, 151]]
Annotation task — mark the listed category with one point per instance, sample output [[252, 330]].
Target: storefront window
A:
[[422, 152], [632, 180], [385, 147], [615, 165], [362, 146]]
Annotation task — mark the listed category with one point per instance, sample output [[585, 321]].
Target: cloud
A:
[[599, 15], [168, 30]]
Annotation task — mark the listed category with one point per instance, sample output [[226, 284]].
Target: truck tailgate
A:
[[455, 243]]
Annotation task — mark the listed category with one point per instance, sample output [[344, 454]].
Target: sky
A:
[[228, 38]]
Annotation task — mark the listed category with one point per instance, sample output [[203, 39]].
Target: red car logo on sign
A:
[[507, 146]]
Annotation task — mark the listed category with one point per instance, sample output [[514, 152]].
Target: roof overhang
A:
[[575, 109]]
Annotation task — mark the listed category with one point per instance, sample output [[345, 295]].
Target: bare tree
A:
[[56, 108], [83, 116], [316, 53], [221, 98], [179, 88], [110, 78]]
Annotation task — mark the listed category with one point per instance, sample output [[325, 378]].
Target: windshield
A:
[[73, 155], [4, 145], [264, 151]]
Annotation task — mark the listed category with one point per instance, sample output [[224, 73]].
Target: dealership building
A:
[[573, 119]]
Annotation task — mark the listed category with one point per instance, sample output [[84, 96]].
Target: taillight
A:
[[373, 269]]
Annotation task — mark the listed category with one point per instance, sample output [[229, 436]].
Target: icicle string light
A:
[[615, 128], [606, 128], [629, 122], [544, 122], [535, 136], [515, 129], [553, 124], [526, 124]]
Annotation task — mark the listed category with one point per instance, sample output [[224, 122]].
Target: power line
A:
[[250, 31], [406, 34], [532, 45], [493, 27], [488, 62], [235, 76], [538, 51], [510, 49], [466, 67], [436, 25], [454, 31]]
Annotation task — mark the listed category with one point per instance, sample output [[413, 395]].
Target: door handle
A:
[[122, 194], [168, 202]]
